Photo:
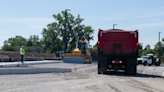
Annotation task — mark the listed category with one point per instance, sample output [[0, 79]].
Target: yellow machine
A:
[[79, 55]]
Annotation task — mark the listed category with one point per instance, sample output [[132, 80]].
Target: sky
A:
[[29, 17]]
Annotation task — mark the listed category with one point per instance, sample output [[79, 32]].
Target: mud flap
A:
[[131, 66], [102, 65]]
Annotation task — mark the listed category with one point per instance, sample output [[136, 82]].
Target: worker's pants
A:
[[22, 58]]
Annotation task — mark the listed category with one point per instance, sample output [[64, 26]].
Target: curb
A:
[[33, 70]]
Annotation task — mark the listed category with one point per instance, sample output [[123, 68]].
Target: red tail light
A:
[[137, 43], [98, 42]]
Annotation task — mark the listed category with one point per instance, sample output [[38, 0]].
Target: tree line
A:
[[157, 50], [53, 35]]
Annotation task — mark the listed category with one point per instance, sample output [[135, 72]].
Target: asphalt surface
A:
[[83, 78]]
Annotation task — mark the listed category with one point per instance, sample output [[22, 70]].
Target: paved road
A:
[[84, 78]]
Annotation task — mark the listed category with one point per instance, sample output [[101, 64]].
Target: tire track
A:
[[143, 86], [114, 88], [94, 88]]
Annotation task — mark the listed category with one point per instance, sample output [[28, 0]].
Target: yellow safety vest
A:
[[157, 60], [22, 53]]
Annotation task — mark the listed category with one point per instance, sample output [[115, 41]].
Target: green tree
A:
[[28, 49], [162, 39], [140, 46], [159, 48], [148, 51], [29, 43], [51, 41], [54, 34], [140, 52], [7, 47], [90, 48], [16, 41], [147, 46], [95, 47], [34, 40]]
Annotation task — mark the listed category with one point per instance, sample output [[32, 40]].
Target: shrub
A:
[[8, 48]]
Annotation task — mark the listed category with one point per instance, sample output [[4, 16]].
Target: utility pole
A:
[[114, 26], [159, 43], [66, 29], [159, 36]]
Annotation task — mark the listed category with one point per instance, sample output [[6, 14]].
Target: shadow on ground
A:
[[120, 73]]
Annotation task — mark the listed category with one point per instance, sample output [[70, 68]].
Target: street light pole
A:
[[66, 29], [114, 26], [159, 36]]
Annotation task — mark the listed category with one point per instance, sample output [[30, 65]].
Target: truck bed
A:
[[116, 42]]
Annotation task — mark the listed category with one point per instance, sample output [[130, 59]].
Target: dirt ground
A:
[[83, 78]]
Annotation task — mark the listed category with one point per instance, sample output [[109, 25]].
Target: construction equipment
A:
[[79, 55]]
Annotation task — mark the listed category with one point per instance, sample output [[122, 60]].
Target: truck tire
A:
[[157, 64], [104, 72], [99, 72], [149, 64], [131, 66], [102, 65], [145, 63]]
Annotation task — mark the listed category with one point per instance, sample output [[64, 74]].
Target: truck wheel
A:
[[158, 64], [149, 64], [145, 63], [104, 72], [99, 72]]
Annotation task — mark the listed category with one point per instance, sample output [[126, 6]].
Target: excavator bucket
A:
[[73, 59]]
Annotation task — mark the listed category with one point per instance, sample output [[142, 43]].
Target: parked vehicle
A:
[[148, 59], [145, 60]]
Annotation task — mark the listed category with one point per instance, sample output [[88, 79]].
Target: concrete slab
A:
[[32, 70], [11, 68], [5, 71], [26, 63]]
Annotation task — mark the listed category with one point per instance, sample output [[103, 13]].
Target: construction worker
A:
[[157, 61], [22, 52]]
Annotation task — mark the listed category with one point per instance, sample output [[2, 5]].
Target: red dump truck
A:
[[117, 50]]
